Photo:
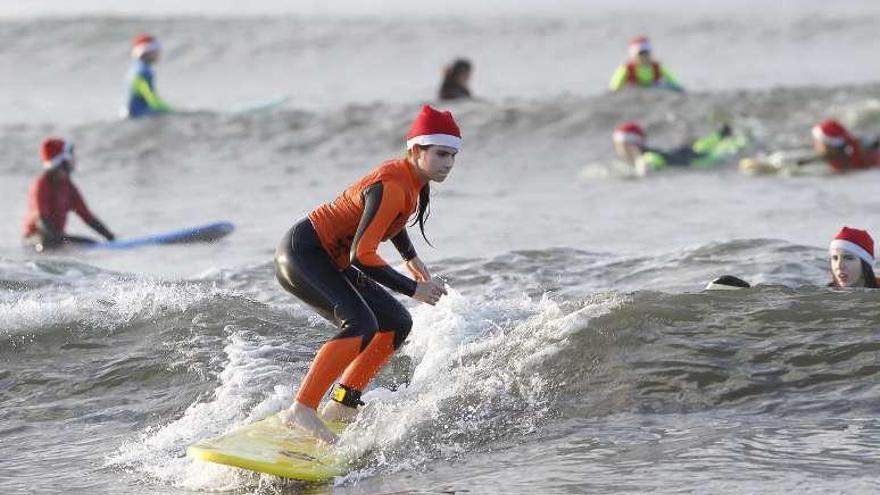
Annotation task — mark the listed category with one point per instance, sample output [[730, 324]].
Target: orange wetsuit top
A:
[[373, 209]]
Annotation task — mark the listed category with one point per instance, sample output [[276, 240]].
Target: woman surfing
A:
[[329, 260]]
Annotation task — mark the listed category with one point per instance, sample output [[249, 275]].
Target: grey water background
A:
[[576, 352]]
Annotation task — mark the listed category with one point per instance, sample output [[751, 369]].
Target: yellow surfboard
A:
[[269, 447]]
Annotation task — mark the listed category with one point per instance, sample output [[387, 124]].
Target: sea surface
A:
[[576, 351]]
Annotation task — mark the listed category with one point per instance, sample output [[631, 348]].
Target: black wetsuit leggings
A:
[[357, 304]]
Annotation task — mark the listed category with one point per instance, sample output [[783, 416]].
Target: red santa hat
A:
[[55, 151], [144, 43], [638, 45], [855, 241], [434, 127], [830, 132], [629, 132]]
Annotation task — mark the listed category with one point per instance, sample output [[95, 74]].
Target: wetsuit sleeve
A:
[[404, 245], [142, 87], [383, 202], [79, 206], [618, 78], [669, 79]]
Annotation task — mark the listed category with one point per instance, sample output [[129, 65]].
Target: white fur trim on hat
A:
[[65, 155], [627, 137], [852, 248], [437, 139], [825, 138], [635, 48], [141, 48]]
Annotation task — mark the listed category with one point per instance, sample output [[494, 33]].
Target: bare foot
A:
[[306, 419], [334, 411]]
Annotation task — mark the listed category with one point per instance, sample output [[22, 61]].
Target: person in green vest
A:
[[630, 143], [642, 71]]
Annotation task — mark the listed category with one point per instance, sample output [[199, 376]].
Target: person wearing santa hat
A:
[[852, 259], [630, 144], [51, 196], [841, 150], [330, 261], [642, 71], [143, 99]]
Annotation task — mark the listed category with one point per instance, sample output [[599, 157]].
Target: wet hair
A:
[[451, 89], [867, 275], [424, 209]]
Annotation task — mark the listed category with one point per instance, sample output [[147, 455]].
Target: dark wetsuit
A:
[[330, 262]]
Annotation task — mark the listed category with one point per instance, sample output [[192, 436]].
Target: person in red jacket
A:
[[841, 150], [51, 196], [330, 261]]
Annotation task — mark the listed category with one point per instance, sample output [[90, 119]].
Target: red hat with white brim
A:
[[638, 45], [830, 132], [432, 127], [855, 241], [144, 43], [629, 133], [55, 151]]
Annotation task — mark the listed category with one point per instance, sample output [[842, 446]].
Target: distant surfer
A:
[[642, 71], [51, 196], [843, 151], [631, 146], [330, 261], [456, 80], [143, 98], [852, 259]]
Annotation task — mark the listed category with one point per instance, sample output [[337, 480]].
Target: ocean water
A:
[[576, 352]]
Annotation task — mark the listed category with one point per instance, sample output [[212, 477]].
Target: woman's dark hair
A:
[[867, 274], [451, 89], [424, 210]]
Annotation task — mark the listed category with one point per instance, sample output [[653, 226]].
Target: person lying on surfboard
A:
[[143, 99], [330, 261], [841, 150], [852, 259], [630, 144], [51, 196], [642, 71]]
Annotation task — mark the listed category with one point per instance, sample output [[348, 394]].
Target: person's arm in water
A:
[[669, 81], [79, 206], [142, 87], [618, 79], [382, 205]]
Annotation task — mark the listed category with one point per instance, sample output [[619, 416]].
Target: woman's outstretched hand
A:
[[430, 291]]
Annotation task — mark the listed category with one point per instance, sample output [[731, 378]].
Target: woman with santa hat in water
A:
[[329, 260], [852, 259]]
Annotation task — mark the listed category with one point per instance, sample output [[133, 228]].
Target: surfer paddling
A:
[[843, 151], [631, 146], [329, 260], [52, 196]]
